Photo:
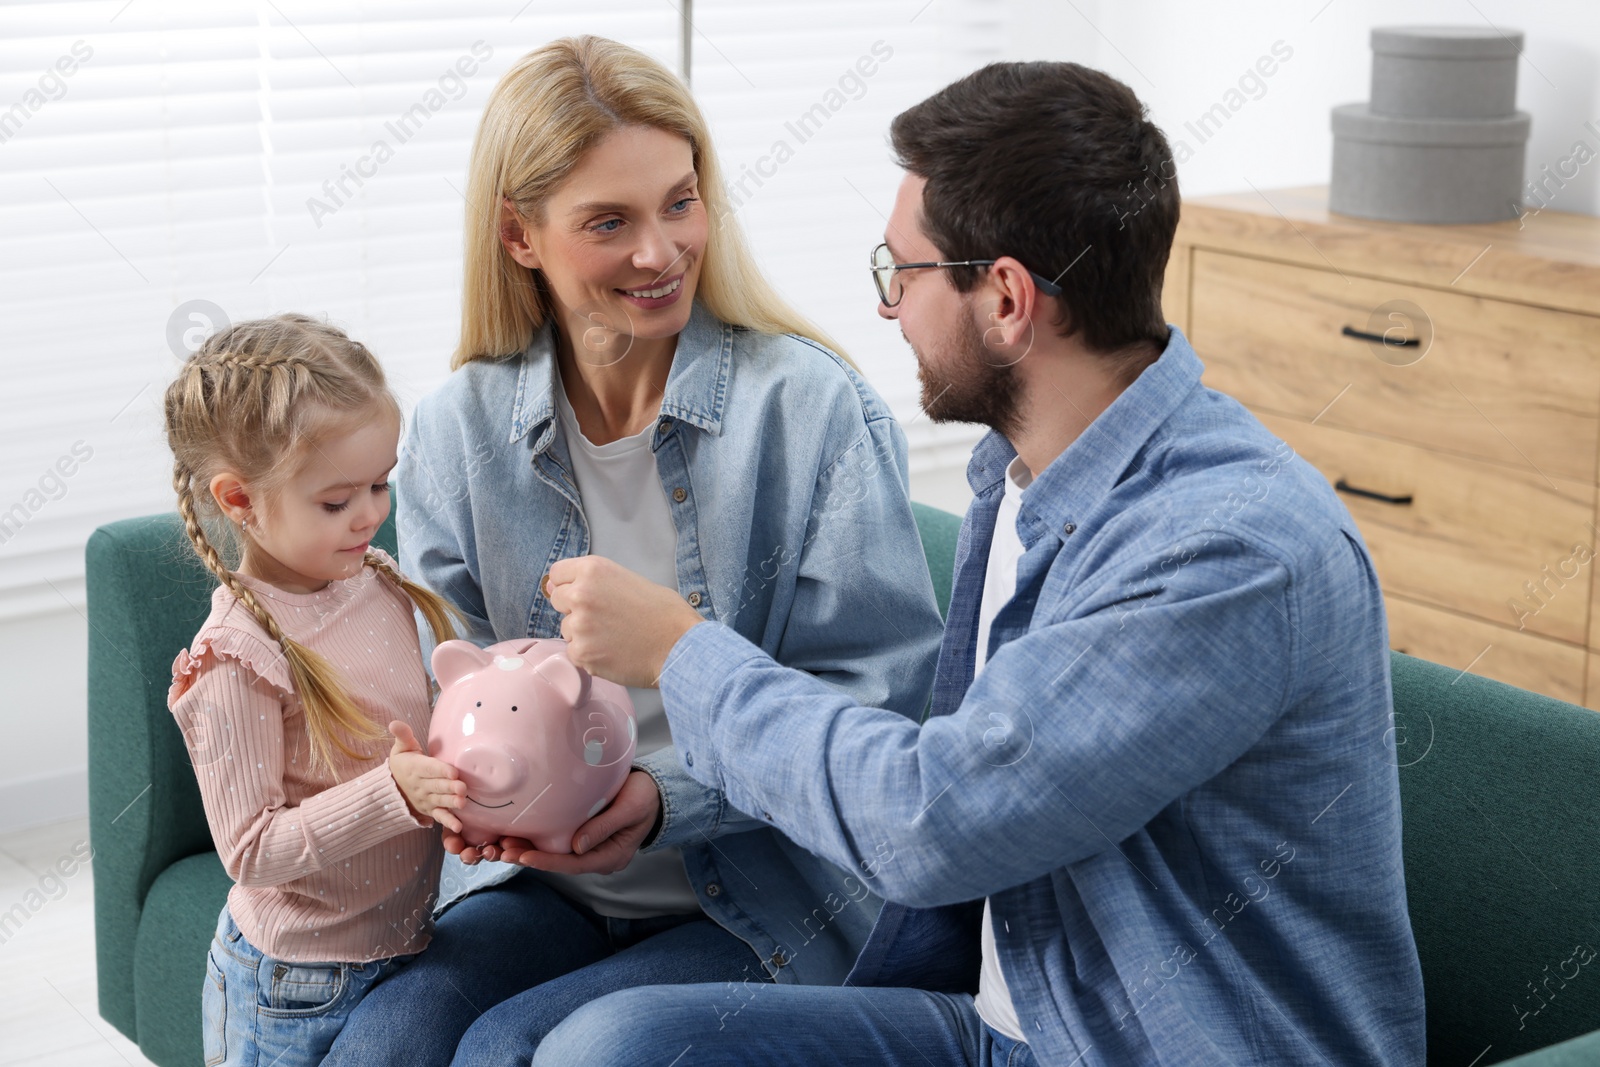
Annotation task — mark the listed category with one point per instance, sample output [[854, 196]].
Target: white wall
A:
[[1183, 57], [43, 719]]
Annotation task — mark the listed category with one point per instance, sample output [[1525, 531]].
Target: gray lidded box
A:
[[1444, 72], [1427, 170]]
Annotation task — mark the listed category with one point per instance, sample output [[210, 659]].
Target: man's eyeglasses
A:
[[890, 291]]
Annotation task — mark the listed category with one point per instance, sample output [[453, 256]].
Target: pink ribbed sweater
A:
[[326, 869]]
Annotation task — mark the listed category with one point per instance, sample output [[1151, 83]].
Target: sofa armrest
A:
[[1579, 1052]]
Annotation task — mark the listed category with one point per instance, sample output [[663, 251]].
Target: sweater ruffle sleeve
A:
[[264, 659]]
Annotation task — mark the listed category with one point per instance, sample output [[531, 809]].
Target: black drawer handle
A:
[[1345, 487], [1362, 335]]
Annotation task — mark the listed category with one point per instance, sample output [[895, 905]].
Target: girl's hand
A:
[[430, 785]]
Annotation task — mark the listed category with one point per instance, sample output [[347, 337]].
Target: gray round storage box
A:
[[1427, 170], [1444, 72]]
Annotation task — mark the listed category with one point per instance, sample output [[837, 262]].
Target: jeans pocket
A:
[[289, 989], [214, 1013]]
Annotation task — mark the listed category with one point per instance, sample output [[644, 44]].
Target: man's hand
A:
[[618, 624], [606, 843], [431, 786]]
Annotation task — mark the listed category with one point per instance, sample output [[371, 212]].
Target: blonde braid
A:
[[441, 615]]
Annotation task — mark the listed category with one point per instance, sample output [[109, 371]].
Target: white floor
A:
[[47, 974]]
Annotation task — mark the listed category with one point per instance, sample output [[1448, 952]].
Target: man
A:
[[1153, 816]]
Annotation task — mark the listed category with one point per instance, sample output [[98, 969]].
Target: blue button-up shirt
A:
[[789, 490], [1174, 779]]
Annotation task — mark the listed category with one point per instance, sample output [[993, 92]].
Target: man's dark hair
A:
[[1059, 166]]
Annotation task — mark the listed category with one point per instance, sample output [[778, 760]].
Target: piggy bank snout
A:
[[491, 770]]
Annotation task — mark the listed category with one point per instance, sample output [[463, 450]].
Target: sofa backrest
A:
[[1502, 853], [938, 530]]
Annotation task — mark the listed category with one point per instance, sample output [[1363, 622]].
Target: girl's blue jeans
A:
[[259, 1010], [508, 963]]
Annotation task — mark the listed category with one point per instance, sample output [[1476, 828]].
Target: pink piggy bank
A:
[[541, 744]]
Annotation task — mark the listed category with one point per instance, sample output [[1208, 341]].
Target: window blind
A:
[[165, 166]]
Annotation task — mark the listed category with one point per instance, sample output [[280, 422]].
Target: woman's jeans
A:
[[259, 1010], [780, 1026], [510, 962]]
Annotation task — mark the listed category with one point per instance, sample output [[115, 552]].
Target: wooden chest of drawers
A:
[[1446, 380]]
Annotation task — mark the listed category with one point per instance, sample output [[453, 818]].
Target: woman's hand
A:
[[457, 845], [431, 786], [606, 843], [618, 624]]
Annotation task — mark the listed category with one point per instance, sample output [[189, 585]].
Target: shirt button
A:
[[1069, 528], [665, 425], [779, 959], [688, 759], [679, 495], [713, 890], [694, 599]]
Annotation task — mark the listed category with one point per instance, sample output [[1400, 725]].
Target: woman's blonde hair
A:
[[252, 401], [551, 107]]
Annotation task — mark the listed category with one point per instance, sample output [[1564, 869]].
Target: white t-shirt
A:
[[999, 585], [630, 522]]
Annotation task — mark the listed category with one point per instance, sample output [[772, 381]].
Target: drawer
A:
[[1544, 666], [1472, 534], [1506, 382]]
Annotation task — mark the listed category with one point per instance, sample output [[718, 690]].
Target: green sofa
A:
[[1502, 826]]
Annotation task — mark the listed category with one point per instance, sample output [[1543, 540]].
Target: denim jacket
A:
[[1175, 778], [788, 484]]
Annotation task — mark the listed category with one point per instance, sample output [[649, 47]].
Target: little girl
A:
[[283, 432]]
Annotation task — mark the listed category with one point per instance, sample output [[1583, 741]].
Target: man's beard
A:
[[963, 381]]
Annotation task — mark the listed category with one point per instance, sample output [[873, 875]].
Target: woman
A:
[[628, 385]]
